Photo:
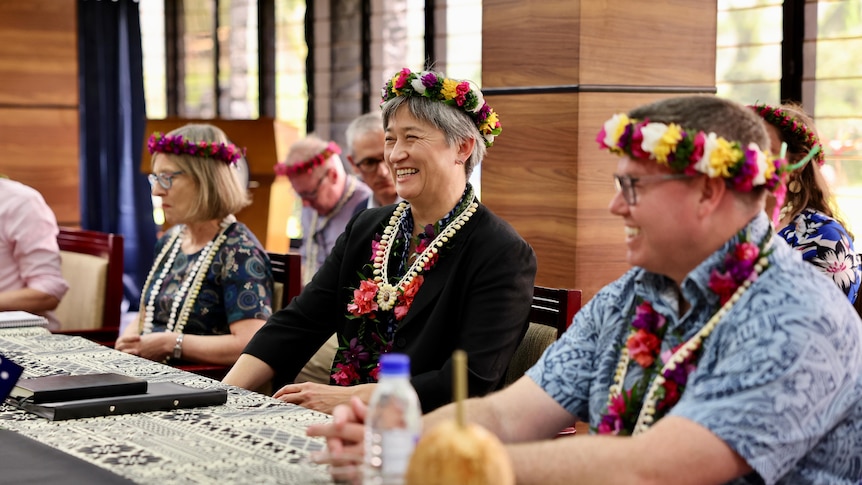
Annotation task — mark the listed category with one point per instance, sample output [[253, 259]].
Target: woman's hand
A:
[[153, 346], [321, 397], [345, 437]]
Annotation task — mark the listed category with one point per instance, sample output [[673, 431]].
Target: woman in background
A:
[[808, 218], [210, 287]]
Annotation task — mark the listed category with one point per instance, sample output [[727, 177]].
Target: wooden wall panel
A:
[[648, 42], [530, 179], [546, 175], [40, 149], [529, 43], [38, 53]]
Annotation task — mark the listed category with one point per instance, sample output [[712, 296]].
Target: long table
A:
[[252, 438]]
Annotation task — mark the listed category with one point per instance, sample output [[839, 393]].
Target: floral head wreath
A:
[[692, 152], [307, 166], [177, 145], [789, 125], [458, 93]]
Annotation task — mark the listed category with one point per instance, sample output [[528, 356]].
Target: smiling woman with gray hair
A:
[[434, 273]]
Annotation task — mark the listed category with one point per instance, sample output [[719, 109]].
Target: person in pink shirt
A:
[[30, 277]]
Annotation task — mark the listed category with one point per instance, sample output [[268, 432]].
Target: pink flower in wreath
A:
[[746, 251], [375, 373], [346, 374], [364, 299], [643, 347], [405, 299], [723, 284]]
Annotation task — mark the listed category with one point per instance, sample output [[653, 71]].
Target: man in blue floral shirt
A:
[[720, 357]]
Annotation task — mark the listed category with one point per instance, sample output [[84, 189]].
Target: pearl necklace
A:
[[648, 408], [387, 294], [193, 279]]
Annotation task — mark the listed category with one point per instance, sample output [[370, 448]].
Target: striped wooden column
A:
[[555, 70]]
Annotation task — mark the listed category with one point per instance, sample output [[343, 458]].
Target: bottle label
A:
[[397, 447]]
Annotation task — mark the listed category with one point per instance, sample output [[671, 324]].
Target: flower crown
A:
[[460, 94], [177, 145], [306, 166], [790, 125], [692, 152]]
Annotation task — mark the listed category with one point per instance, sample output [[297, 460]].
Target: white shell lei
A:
[[648, 409], [387, 294], [193, 280]]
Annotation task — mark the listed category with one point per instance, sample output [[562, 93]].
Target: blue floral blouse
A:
[[238, 284], [825, 243]]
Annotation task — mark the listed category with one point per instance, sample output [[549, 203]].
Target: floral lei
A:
[[306, 166], [791, 127], [379, 304], [665, 374], [177, 145], [693, 152], [461, 94]]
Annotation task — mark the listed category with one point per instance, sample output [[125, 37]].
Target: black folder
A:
[[160, 396], [71, 387]]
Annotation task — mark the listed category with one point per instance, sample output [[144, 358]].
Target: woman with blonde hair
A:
[[210, 287]]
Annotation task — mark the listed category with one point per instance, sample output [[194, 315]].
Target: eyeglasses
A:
[[369, 164], [626, 184], [164, 179], [313, 194]]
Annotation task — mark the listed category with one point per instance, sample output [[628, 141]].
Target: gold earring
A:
[[794, 186]]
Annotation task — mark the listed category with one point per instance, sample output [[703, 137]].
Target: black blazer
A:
[[477, 298]]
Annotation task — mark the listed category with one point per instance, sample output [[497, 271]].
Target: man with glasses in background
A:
[[365, 140], [329, 196]]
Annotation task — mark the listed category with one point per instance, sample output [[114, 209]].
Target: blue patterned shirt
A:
[[779, 380], [825, 243], [238, 284]]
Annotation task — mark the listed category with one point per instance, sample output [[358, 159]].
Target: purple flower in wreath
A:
[[355, 352]]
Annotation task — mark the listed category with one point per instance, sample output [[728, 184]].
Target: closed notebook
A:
[[18, 318], [84, 386], [160, 396]]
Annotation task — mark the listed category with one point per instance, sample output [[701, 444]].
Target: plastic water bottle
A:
[[393, 423]]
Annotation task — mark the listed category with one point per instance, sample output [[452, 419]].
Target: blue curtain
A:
[[115, 195]]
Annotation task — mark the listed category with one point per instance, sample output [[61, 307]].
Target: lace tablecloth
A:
[[251, 439]]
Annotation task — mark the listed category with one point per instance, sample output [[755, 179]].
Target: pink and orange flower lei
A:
[[644, 342]]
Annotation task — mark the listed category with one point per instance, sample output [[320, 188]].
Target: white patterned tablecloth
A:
[[250, 439]]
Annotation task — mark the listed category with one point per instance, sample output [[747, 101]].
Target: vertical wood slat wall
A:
[[555, 70], [39, 101]]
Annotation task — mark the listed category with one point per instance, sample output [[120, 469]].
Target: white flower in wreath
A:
[[387, 295]]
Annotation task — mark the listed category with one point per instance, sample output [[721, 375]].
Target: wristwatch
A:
[[178, 347]]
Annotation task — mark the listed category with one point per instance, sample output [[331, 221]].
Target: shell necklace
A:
[[387, 294], [193, 280], [683, 354]]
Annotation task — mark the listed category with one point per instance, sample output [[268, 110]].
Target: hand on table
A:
[[345, 437], [319, 397], [153, 346]]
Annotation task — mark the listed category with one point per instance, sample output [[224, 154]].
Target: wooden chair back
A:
[[285, 272], [551, 313], [93, 267], [286, 269]]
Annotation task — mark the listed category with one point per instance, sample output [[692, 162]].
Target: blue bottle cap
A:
[[395, 364]]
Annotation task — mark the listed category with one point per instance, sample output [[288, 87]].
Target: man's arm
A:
[[28, 299], [675, 450]]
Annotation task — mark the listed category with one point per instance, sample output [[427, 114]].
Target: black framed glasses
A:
[[626, 183], [369, 164], [313, 194], [164, 179]]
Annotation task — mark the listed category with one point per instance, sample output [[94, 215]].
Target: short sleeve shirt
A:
[[779, 379]]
